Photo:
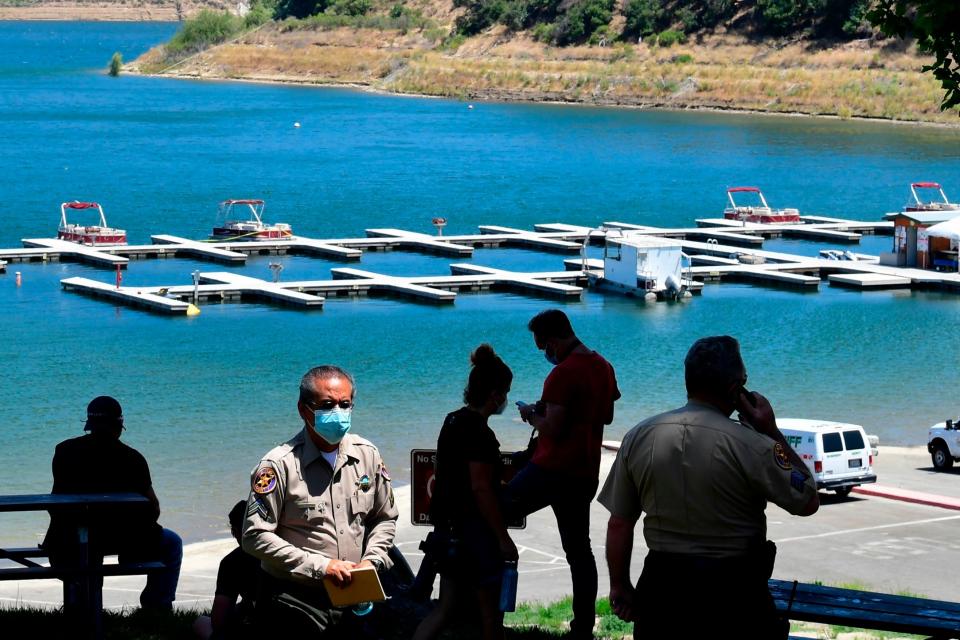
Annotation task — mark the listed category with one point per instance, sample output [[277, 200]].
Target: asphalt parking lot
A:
[[880, 544], [876, 543]]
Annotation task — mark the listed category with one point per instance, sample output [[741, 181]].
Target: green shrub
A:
[[644, 17], [856, 23], [480, 14], [687, 17], [349, 7], [683, 58], [298, 8], [116, 62], [670, 37], [543, 32], [452, 42], [780, 17], [716, 11], [260, 13], [581, 21], [203, 30]]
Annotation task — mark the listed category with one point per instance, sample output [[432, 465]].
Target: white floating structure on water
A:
[[642, 265]]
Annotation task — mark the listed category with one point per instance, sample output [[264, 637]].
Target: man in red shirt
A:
[[576, 403]]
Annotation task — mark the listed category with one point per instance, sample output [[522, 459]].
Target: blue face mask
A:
[[551, 358], [332, 425]]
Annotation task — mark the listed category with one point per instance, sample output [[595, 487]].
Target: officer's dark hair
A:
[[552, 323], [712, 365], [488, 374], [323, 372], [236, 515]]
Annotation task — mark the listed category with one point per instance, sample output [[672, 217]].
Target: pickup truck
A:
[[943, 443]]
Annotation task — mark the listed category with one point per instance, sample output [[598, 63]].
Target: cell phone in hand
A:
[[521, 404]]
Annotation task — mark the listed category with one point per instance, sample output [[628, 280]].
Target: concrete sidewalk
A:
[[882, 545]]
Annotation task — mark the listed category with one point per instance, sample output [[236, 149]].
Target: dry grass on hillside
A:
[[855, 79]]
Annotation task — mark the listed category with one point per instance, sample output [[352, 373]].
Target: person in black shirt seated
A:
[[236, 578], [466, 504], [99, 463]]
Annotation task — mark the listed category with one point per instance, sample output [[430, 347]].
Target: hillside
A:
[[420, 47], [123, 10]]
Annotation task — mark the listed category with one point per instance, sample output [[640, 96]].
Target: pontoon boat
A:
[[255, 229], [96, 235], [762, 214]]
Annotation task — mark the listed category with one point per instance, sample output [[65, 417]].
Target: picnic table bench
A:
[[82, 578], [866, 610]]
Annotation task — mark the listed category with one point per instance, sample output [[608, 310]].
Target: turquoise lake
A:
[[205, 397]]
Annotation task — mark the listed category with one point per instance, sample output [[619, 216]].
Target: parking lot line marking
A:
[[892, 525]]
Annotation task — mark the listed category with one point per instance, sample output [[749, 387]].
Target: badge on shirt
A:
[[364, 483], [265, 480], [780, 456]]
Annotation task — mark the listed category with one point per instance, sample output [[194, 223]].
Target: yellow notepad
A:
[[365, 587]]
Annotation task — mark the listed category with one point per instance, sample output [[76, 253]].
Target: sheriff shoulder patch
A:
[[383, 472], [265, 480], [780, 456]]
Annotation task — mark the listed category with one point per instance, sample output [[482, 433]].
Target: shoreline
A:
[[654, 106]]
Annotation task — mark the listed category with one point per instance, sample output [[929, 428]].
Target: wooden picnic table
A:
[[82, 578]]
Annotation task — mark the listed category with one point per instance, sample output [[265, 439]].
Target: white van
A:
[[838, 454]]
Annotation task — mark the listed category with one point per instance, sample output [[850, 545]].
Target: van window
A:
[[853, 440], [832, 443]]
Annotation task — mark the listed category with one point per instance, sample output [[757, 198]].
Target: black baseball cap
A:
[[103, 411]]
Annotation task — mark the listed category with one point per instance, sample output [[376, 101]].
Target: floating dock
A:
[[226, 287], [720, 250]]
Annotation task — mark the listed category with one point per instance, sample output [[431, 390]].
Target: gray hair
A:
[[713, 365], [324, 372]]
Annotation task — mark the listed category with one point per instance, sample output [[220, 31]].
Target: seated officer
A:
[[320, 506], [99, 463], [236, 578]]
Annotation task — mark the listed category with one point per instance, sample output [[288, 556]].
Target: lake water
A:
[[205, 397]]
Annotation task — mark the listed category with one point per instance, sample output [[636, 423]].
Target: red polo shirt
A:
[[586, 386]]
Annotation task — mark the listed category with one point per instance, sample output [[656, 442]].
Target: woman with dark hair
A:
[[465, 502]]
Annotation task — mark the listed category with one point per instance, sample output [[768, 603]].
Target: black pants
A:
[[534, 488], [299, 609], [680, 596]]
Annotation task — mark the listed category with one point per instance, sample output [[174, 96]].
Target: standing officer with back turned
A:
[[320, 505], [703, 481]]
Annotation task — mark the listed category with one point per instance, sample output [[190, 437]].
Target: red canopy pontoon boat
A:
[[96, 235], [762, 214], [255, 229], [919, 204]]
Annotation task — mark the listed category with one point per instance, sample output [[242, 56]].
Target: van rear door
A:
[[834, 461], [858, 456]]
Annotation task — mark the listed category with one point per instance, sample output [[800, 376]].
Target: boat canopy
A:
[[81, 205], [743, 189], [925, 185], [231, 202]]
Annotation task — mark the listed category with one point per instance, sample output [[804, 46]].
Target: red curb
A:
[[905, 495]]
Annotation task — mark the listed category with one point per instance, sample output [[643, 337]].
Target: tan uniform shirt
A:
[[301, 513], [703, 481]]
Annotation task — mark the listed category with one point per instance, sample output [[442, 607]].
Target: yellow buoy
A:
[[193, 310]]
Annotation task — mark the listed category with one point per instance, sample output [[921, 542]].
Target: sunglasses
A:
[[329, 405]]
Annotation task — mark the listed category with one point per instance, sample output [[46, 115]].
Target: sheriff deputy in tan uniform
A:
[[320, 505], [703, 481]]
